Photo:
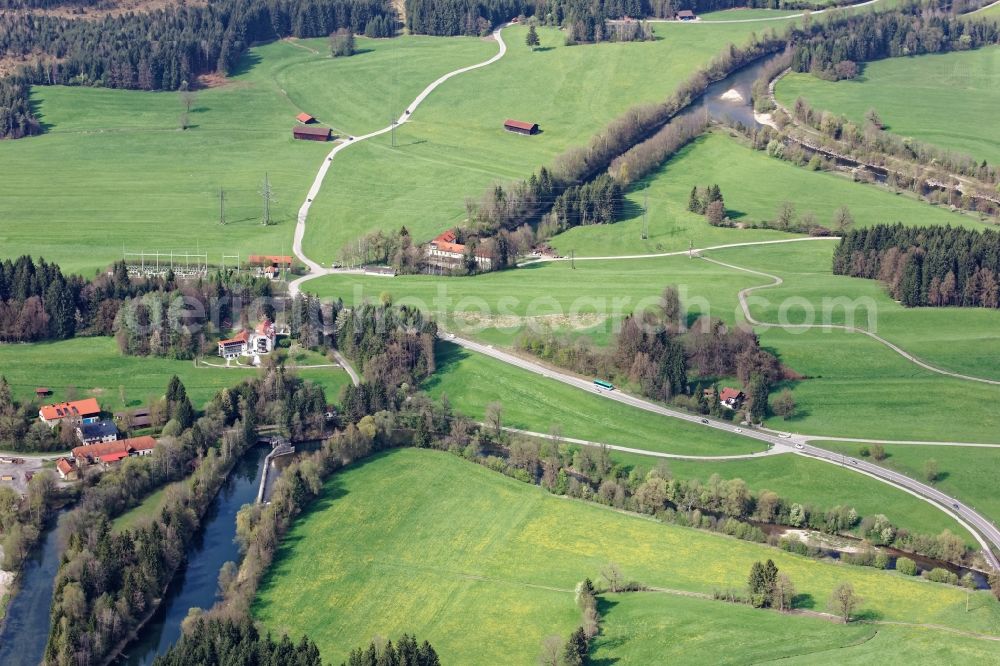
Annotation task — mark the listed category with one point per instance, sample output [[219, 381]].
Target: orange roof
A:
[[729, 394], [64, 466], [265, 327], [519, 124], [304, 118], [240, 337], [270, 259], [143, 443], [85, 407], [112, 451]]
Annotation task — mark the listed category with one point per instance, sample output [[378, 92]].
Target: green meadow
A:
[[94, 367], [119, 173], [549, 295], [968, 473], [646, 628], [949, 100], [454, 146], [754, 185], [484, 567], [531, 402], [964, 340], [809, 481]]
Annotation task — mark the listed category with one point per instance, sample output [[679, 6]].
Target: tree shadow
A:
[[804, 601], [735, 214], [447, 356], [630, 210], [36, 110], [246, 63], [866, 615]]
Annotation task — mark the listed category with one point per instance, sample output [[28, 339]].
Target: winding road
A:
[[777, 281], [316, 270], [980, 527]]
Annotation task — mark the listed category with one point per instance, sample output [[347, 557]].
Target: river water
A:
[[196, 584], [26, 630], [729, 99]]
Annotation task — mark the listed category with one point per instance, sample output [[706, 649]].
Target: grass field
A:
[[968, 473], [94, 367], [754, 186], [531, 402], [643, 628], [119, 172], [454, 146], [484, 567], [808, 481], [946, 99], [149, 507], [553, 295]]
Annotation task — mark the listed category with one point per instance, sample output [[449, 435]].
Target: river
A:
[[729, 100], [26, 630], [196, 583]]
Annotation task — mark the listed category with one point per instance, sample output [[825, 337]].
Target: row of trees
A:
[[237, 642], [870, 142], [39, 302], [526, 202], [935, 266], [115, 51], [110, 578]]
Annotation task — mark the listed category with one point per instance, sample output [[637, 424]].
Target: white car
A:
[[799, 447], [785, 435], [738, 430]]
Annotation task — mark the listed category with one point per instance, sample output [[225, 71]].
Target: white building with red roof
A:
[[250, 343], [446, 252], [77, 411]]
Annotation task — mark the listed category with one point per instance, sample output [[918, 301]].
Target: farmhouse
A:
[[246, 343], [269, 265], [731, 398], [686, 15], [42, 391], [305, 118], [311, 133], [111, 452], [444, 252], [97, 432], [520, 127], [67, 469], [78, 411]]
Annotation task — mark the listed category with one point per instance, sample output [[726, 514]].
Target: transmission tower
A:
[[222, 206], [267, 194]]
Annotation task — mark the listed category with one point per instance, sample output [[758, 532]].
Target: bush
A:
[[939, 575], [905, 565]]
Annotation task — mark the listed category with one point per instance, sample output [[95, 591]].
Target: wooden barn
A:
[[686, 15], [311, 133], [305, 119], [520, 127]]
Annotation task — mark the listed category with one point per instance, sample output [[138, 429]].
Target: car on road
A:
[[785, 435], [799, 446], [738, 430], [704, 421], [955, 506]]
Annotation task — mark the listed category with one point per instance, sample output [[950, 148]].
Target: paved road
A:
[[777, 281], [346, 365], [315, 269], [646, 452], [985, 532]]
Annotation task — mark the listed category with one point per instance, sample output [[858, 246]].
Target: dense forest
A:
[[657, 351], [936, 266], [829, 48], [232, 642], [120, 52], [39, 302]]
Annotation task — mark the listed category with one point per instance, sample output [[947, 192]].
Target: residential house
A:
[[111, 452], [731, 398], [250, 343], [445, 252], [97, 432], [67, 469], [76, 412]]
